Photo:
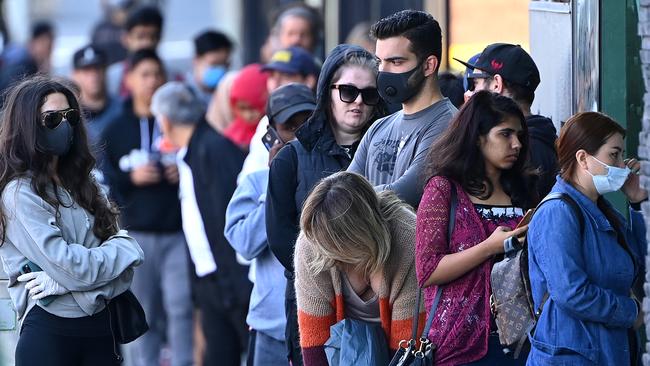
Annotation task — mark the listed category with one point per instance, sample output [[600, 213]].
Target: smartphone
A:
[[526, 219], [28, 267], [271, 138]]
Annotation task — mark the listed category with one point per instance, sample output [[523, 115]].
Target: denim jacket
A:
[[246, 232], [588, 277]]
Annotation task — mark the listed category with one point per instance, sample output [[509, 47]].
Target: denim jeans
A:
[[162, 285], [269, 351]]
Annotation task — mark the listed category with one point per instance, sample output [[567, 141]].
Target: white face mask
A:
[[612, 181]]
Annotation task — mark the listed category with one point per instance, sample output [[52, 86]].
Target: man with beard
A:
[[393, 152]]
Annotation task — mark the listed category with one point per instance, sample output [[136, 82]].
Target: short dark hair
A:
[[520, 93], [451, 86], [142, 55], [211, 41], [145, 15], [42, 28], [300, 10], [417, 26]]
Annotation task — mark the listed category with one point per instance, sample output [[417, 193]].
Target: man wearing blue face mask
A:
[[393, 152], [212, 51]]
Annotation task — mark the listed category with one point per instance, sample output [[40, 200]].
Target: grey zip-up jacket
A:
[[66, 249]]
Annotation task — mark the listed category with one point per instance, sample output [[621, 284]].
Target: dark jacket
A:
[[215, 163], [303, 162], [542, 136], [153, 208], [98, 120]]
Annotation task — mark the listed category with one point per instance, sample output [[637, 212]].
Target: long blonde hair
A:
[[348, 223]]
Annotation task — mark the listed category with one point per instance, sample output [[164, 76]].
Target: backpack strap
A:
[[578, 213], [569, 201]]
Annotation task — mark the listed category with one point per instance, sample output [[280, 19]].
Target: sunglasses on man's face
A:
[[349, 93], [53, 119]]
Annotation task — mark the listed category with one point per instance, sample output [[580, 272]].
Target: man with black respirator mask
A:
[[393, 151]]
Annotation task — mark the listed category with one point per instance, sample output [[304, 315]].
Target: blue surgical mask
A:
[[213, 75], [612, 181]]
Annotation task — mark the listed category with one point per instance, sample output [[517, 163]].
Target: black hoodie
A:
[[305, 161], [542, 136], [153, 208]]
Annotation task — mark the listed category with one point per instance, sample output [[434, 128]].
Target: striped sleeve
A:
[[404, 287], [402, 312]]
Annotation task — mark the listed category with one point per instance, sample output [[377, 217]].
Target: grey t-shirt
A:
[[392, 154]]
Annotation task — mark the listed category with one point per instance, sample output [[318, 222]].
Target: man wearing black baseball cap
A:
[[508, 70], [288, 108], [89, 73]]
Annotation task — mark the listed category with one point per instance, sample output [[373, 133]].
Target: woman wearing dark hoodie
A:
[[347, 102]]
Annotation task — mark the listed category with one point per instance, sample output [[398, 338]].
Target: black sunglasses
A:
[[53, 119], [349, 93]]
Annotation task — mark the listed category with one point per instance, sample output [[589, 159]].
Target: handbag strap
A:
[[450, 229], [416, 313]]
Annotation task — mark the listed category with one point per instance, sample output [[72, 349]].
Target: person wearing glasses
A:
[[393, 153], [346, 102], [61, 244]]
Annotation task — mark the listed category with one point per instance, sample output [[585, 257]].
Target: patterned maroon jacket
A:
[[462, 321]]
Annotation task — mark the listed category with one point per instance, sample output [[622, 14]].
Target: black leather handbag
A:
[[127, 318]]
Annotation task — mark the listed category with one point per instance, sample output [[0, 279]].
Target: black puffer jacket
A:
[[305, 161]]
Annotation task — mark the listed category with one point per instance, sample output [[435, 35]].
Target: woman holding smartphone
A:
[[482, 157], [61, 244], [583, 264], [347, 102]]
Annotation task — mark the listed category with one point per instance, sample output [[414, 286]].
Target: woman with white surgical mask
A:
[[584, 256]]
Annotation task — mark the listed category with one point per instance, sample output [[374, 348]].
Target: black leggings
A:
[[43, 341]]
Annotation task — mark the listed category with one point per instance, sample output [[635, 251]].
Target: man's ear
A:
[[310, 81], [128, 79], [163, 123], [124, 38], [497, 85], [431, 64]]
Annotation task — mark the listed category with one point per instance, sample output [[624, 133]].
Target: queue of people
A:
[[275, 211]]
